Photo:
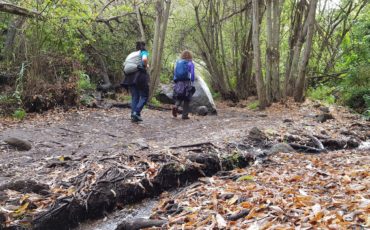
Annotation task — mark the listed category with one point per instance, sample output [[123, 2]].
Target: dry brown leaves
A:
[[291, 191]]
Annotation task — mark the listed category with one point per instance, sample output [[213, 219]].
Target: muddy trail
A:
[[83, 164]]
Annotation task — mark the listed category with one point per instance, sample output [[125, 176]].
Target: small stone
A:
[[202, 110], [324, 117], [257, 135], [287, 120], [280, 148], [19, 144], [324, 109]]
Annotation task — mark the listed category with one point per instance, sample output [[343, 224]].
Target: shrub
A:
[[155, 102], [357, 99], [322, 93], [84, 82], [253, 105], [19, 114]]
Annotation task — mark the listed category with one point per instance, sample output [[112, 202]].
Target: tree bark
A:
[[141, 24], [269, 50], [163, 12], [299, 87], [294, 47], [261, 89], [11, 35], [276, 11]]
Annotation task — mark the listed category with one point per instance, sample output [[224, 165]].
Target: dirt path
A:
[[66, 144], [101, 133]]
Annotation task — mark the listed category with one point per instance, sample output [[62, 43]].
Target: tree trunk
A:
[[261, 90], [140, 22], [163, 12], [276, 11], [269, 50], [209, 47], [11, 35], [299, 88], [294, 47]]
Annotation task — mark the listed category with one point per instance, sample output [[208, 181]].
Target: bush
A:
[[322, 93], [19, 114], [155, 102], [253, 105], [84, 82], [357, 99]]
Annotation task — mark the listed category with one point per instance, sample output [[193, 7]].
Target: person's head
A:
[[186, 54], [140, 45]]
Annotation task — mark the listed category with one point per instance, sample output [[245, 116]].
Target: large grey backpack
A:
[[131, 62]]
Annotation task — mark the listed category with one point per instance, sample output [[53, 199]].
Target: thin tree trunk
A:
[[269, 50], [140, 22], [276, 11], [299, 88], [163, 12], [11, 35], [261, 90]]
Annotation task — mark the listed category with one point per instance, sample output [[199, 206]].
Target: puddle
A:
[[140, 210]]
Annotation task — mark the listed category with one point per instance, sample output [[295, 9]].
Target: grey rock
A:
[[202, 110], [21, 145], [201, 97], [324, 109], [324, 117], [280, 148], [165, 94], [256, 134]]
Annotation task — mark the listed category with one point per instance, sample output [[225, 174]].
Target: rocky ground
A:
[[74, 154]]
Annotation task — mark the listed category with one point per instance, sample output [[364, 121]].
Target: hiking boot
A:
[[135, 117], [185, 117], [174, 111]]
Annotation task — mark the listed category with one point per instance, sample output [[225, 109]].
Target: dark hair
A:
[[140, 45], [186, 54]]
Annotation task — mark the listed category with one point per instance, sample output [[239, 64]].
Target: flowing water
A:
[[140, 210]]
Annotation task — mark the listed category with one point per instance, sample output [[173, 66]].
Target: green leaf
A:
[[245, 178]]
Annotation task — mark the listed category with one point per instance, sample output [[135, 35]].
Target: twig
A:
[[193, 145], [305, 148]]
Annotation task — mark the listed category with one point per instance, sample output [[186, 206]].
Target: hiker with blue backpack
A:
[[184, 77], [137, 79]]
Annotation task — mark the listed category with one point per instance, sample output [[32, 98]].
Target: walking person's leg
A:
[[186, 109], [135, 97], [143, 99]]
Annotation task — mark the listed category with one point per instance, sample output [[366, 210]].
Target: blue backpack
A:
[[182, 71]]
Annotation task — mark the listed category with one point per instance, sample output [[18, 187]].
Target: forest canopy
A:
[[53, 50]]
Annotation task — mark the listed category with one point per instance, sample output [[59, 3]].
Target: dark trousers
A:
[[185, 107], [139, 98]]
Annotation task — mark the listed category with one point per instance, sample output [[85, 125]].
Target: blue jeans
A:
[[138, 99]]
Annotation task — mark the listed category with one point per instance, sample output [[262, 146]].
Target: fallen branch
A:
[[140, 224], [193, 145], [306, 149], [237, 216]]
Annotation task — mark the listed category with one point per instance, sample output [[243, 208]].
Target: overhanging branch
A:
[[17, 10]]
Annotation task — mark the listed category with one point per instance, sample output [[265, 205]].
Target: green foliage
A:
[[86, 99], [125, 98], [155, 102], [322, 93], [19, 114], [84, 82], [253, 105], [357, 99]]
